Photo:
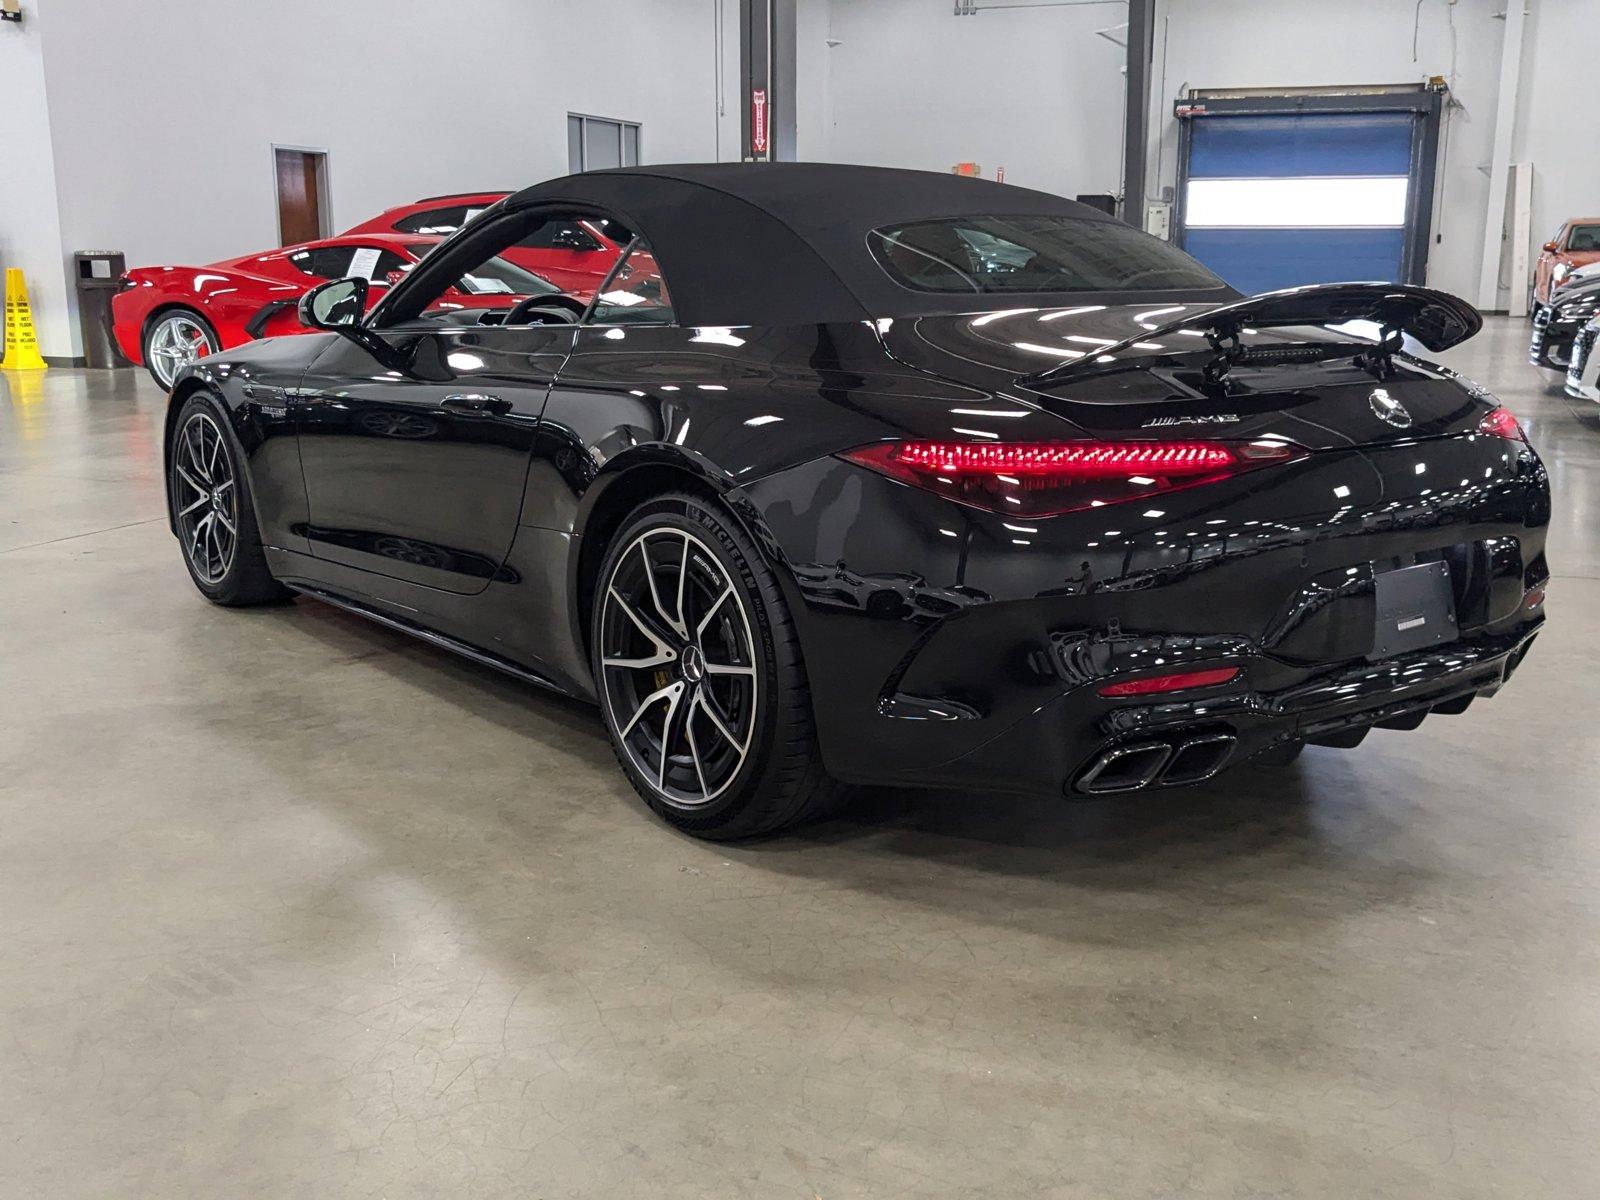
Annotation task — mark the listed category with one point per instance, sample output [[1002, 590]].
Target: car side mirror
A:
[[337, 305], [1551, 248]]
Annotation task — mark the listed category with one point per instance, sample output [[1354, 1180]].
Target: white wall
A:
[[813, 79], [1555, 127], [160, 123], [30, 230], [1268, 43], [1032, 90], [163, 116]]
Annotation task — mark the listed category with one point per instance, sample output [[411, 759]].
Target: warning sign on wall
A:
[[758, 121]]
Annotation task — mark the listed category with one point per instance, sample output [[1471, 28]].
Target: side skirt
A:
[[434, 638]]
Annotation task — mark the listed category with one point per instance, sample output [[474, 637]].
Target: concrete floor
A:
[[292, 906]]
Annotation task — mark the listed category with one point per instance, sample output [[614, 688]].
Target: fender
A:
[[640, 469]]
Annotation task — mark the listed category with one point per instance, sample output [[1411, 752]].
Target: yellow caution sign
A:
[[22, 346]]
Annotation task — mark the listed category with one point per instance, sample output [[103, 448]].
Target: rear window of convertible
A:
[[1032, 254]]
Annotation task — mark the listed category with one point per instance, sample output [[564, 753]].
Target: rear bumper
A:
[[950, 647], [1063, 745], [1337, 709], [129, 310]]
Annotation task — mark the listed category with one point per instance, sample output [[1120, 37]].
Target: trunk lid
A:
[[1291, 365]]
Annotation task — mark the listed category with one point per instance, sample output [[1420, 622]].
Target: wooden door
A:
[[300, 206]]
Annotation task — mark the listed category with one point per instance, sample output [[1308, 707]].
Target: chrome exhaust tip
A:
[[1125, 768], [1198, 759]]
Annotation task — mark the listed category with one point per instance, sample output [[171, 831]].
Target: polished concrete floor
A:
[[291, 906]]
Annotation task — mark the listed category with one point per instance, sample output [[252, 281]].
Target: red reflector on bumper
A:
[[1175, 682]]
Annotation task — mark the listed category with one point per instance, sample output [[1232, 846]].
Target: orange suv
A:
[[1576, 245]]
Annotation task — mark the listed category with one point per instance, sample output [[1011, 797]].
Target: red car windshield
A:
[[1584, 239]]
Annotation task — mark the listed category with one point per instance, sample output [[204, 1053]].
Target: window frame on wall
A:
[[584, 128]]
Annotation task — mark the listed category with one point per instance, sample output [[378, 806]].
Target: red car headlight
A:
[[1040, 479]]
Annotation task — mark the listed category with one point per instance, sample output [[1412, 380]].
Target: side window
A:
[[375, 264], [636, 294], [368, 262], [614, 231], [561, 233], [436, 220], [379, 265], [324, 262]]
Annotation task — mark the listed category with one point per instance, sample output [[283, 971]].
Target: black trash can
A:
[[98, 274]]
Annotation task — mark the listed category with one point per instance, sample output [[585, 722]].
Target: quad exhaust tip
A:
[[1138, 765], [1198, 759]]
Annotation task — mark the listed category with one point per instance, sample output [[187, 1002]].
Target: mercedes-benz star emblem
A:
[[1388, 409]]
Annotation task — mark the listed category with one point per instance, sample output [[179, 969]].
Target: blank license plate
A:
[[1415, 609]]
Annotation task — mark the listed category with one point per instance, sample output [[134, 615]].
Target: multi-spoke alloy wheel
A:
[[700, 677], [679, 672], [208, 494], [205, 498], [175, 341]]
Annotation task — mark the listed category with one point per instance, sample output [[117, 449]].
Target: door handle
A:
[[476, 402]]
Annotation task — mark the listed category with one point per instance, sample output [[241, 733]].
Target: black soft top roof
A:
[[786, 243]]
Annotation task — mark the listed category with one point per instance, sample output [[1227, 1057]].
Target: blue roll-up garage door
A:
[[1283, 200]]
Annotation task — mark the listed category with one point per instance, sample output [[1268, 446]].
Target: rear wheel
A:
[[175, 339], [700, 677], [212, 511]]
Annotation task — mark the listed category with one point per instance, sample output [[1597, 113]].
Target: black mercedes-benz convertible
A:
[[855, 475]]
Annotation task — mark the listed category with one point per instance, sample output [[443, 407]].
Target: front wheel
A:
[[212, 512], [700, 677]]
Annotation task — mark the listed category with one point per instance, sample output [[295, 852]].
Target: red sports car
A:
[[164, 317], [575, 255]]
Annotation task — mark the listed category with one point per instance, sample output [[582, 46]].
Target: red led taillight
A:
[[1500, 423], [1040, 479], [1176, 682]]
